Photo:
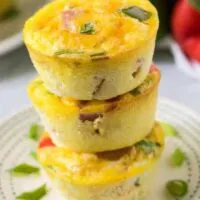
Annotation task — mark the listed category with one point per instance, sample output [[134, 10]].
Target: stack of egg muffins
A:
[[96, 96]]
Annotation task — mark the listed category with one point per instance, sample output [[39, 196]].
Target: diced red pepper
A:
[[68, 16], [192, 48], [153, 68], [46, 142]]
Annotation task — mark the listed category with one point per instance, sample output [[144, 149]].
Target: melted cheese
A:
[[46, 31]]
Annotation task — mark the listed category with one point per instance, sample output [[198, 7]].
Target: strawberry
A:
[[46, 142], [192, 47], [185, 21], [186, 27]]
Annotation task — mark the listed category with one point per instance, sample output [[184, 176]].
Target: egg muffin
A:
[[93, 126], [5, 5], [94, 50], [124, 174]]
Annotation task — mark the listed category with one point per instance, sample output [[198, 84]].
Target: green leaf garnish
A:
[[34, 132], [24, 169], [87, 29], [178, 157], [65, 51], [137, 12], [147, 146], [36, 194], [34, 155], [11, 13], [177, 188], [168, 129]]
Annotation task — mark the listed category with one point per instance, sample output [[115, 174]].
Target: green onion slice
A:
[[177, 188], [65, 51], [87, 29], [36, 194], [178, 158], [137, 12], [147, 146]]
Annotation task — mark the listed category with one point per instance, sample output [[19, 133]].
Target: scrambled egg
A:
[[66, 27]]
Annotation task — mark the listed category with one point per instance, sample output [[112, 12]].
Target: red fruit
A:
[[185, 21], [153, 68], [46, 142], [192, 47]]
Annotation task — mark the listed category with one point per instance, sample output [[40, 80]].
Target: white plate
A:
[[10, 30], [15, 148]]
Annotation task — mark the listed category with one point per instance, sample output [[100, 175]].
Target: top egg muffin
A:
[[78, 47]]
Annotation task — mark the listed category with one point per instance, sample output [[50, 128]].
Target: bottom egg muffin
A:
[[124, 174]]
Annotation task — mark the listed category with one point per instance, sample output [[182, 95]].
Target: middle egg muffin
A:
[[95, 126]]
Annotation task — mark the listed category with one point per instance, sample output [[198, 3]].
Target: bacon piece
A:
[[68, 16], [90, 116]]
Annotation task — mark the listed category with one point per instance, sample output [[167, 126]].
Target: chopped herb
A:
[[177, 188], [24, 169], [11, 13], [34, 132], [136, 12], [34, 155], [136, 91], [87, 29], [178, 157], [147, 146], [135, 73], [63, 51], [99, 56], [99, 85], [168, 129], [147, 83], [36, 194], [103, 53]]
